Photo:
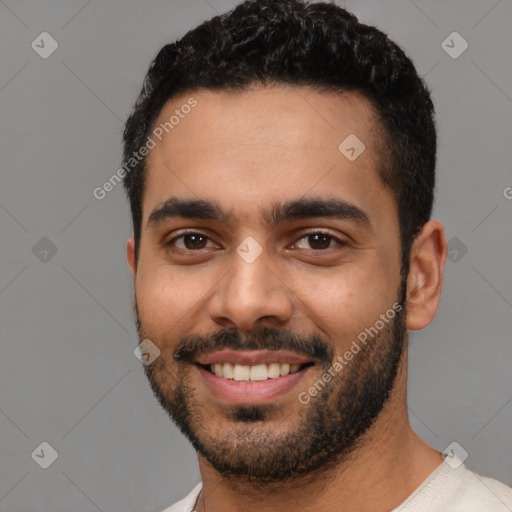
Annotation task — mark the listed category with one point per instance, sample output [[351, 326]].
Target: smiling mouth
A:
[[258, 372]]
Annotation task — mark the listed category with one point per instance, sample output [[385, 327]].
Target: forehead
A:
[[281, 115], [263, 143]]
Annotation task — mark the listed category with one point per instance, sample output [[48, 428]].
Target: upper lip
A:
[[251, 357]]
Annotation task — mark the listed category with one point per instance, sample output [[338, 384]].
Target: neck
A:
[[385, 468]]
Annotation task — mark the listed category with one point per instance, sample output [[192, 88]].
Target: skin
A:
[[246, 151]]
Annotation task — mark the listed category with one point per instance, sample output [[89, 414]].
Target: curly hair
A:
[[319, 45]]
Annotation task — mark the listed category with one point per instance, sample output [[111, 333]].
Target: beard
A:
[[246, 446]]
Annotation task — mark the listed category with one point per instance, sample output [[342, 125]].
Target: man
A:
[[280, 167]]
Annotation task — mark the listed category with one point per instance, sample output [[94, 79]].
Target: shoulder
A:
[[452, 487], [187, 503], [477, 492]]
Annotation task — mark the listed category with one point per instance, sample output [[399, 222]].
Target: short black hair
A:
[[319, 45]]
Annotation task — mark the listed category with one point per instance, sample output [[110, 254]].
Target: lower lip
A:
[[236, 391]]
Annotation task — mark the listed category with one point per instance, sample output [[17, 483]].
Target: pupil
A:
[[323, 242], [195, 239]]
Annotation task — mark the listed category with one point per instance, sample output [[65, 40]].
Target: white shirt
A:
[[448, 489]]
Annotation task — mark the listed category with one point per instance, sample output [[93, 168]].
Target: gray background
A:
[[68, 375]]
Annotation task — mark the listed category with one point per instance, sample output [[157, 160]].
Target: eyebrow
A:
[[303, 208]]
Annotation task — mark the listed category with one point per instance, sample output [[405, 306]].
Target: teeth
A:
[[274, 370], [256, 372], [227, 370], [241, 372], [217, 369]]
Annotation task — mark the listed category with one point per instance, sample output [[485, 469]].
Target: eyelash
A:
[[339, 242]]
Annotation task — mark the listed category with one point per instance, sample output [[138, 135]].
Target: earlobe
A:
[[425, 279], [130, 255]]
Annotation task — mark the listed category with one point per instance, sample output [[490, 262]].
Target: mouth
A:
[[251, 377]]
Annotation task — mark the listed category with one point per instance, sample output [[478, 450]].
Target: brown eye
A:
[[194, 241], [318, 241], [190, 241]]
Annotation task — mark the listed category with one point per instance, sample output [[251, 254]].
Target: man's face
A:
[[265, 285]]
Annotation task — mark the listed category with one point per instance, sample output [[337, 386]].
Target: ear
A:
[[426, 271], [130, 255]]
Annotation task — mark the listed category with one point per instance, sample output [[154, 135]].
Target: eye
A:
[[195, 241], [319, 241], [189, 241]]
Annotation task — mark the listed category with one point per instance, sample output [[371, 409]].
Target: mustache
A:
[[311, 346]]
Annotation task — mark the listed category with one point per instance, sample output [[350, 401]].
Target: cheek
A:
[[164, 297], [346, 301]]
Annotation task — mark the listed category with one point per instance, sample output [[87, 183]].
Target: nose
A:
[[249, 295]]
